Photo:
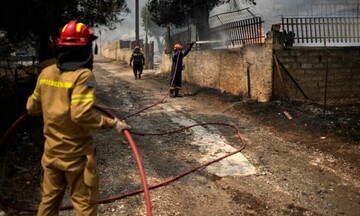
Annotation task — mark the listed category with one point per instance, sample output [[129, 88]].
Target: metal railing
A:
[[234, 28], [239, 27], [323, 29], [248, 31]]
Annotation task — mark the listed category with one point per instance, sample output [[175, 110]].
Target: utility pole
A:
[[146, 48], [100, 45], [137, 22]]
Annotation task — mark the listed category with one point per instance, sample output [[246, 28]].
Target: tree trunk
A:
[[159, 44], [44, 47], [167, 41], [201, 14]]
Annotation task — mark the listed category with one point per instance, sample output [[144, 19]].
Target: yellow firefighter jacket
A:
[[65, 99]]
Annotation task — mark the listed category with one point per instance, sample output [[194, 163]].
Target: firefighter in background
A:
[[137, 60], [64, 95], [176, 68]]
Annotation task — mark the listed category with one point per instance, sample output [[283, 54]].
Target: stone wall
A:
[[228, 70], [114, 51], [316, 71], [305, 73]]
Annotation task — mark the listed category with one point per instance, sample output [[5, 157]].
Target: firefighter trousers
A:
[[137, 69], [79, 175]]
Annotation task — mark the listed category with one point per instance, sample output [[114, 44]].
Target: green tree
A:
[[151, 28], [38, 19], [180, 12]]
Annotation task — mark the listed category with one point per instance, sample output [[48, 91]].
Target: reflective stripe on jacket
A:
[[137, 57], [65, 100]]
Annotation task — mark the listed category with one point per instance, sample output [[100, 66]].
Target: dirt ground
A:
[[305, 163]]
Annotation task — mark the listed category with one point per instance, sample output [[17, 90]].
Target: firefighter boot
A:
[[172, 94], [177, 94]]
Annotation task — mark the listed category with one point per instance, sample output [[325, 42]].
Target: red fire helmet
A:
[[76, 34], [177, 46]]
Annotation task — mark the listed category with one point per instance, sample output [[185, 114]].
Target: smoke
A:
[[273, 10], [125, 30], [270, 10]]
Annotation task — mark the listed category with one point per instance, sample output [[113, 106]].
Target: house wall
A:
[[312, 74], [316, 71], [242, 71]]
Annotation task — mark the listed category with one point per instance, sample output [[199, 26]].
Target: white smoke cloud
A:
[[270, 10], [126, 29]]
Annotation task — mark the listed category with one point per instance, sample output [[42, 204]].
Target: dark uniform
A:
[[137, 59], [176, 69]]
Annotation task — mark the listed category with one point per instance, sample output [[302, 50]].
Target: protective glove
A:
[[121, 125]]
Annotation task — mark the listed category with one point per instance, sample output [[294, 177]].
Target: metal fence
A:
[[234, 28], [249, 31], [326, 23], [239, 27], [323, 29]]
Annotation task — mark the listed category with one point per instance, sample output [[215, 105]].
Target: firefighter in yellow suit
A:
[[64, 95]]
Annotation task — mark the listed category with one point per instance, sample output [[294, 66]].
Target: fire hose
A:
[[136, 155], [145, 186]]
